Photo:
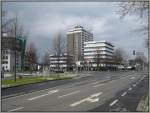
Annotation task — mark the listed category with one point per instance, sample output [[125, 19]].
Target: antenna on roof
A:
[[78, 26]]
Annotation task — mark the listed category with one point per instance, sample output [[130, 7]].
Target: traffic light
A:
[[133, 52]]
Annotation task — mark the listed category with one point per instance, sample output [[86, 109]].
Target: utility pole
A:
[[15, 30]]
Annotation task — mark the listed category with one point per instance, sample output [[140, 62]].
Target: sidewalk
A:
[[143, 105]]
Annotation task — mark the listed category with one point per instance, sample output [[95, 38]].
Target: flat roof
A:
[[103, 41]]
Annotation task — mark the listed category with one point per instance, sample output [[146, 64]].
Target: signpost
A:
[[78, 64]]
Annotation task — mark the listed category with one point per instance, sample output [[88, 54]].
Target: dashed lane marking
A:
[[98, 85], [41, 84], [130, 88], [50, 92], [124, 94], [132, 77], [114, 102], [69, 94], [94, 83], [134, 85]]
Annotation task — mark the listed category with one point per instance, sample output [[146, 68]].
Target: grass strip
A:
[[29, 80]]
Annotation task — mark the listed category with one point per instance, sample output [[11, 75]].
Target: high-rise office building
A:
[[75, 42]]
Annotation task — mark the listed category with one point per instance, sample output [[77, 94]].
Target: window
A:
[[5, 62], [4, 57], [6, 52]]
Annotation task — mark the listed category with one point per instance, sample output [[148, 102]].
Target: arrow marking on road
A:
[[88, 99], [93, 100], [96, 94], [50, 92]]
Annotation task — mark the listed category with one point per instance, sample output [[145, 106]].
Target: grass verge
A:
[[31, 79]]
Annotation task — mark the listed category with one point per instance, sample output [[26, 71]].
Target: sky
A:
[[43, 20]]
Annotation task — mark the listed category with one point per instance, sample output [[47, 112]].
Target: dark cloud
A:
[[44, 19]]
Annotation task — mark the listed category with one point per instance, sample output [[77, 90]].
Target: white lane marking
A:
[[89, 99], [108, 77], [41, 84], [98, 85], [96, 94], [132, 77], [114, 102], [124, 94], [134, 85], [16, 109], [81, 76], [77, 77], [130, 88], [69, 94], [93, 99], [50, 92], [53, 91], [94, 83]]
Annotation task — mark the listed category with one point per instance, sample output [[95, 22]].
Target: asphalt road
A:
[[90, 91], [81, 76]]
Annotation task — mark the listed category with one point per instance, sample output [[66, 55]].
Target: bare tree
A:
[[69, 61], [119, 56], [139, 8], [31, 55], [12, 27], [141, 60], [46, 59], [97, 58], [136, 7], [58, 48]]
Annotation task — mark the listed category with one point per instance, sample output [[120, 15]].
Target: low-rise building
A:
[[63, 62], [98, 54]]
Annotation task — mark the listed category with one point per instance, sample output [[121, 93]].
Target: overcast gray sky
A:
[[44, 19]]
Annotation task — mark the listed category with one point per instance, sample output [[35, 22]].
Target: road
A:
[[81, 76], [90, 91]]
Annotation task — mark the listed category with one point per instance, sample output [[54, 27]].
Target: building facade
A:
[[75, 42], [10, 48], [63, 62], [8, 60], [98, 53]]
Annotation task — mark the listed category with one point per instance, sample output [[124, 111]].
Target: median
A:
[[24, 80]]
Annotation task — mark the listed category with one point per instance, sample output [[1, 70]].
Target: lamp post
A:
[[15, 30]]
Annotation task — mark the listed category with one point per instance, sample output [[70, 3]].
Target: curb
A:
[[142, 106]]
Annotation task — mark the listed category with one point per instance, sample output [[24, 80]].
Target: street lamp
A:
[[15, 29]]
